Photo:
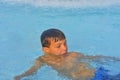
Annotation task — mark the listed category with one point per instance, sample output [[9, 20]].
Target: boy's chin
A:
[[60, 54], [64, 53]]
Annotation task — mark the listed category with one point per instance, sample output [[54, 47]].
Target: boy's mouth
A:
[[64, 53]]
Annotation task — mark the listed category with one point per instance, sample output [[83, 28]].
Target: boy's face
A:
[[56, 48]]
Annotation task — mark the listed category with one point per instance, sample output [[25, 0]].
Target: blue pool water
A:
[[91, 27]]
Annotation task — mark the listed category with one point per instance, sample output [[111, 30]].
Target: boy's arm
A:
[[32, 70]]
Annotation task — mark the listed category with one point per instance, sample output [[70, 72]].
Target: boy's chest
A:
[[53, 61]]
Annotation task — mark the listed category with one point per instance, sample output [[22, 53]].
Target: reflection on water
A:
[[108, 62], [107, 68]]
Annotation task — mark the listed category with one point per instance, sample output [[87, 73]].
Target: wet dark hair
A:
[[49, 34]]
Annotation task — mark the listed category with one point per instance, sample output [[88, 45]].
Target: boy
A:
[[55, 49]]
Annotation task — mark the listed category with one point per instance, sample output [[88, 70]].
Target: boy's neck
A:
[[52, 55]]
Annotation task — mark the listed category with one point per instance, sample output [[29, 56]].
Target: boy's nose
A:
[[64, 48]]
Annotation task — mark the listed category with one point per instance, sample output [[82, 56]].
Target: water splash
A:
[[65, 3]]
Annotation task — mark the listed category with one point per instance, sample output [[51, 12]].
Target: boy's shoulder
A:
[[75, 54], [40, 60]]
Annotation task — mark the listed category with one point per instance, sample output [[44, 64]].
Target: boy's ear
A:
[[45, 49]]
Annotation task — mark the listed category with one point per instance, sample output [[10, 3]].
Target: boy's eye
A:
[[58, 46], [65, 43]]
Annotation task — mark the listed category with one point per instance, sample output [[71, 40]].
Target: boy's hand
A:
[[17, 78]]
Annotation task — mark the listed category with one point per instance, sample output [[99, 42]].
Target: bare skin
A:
[[63, 64], [67, 64], [57, 56]]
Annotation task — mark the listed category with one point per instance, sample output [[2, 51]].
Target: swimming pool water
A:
[[92, 30]]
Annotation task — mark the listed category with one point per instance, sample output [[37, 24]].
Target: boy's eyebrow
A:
[[58, 43], [61, 42]]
